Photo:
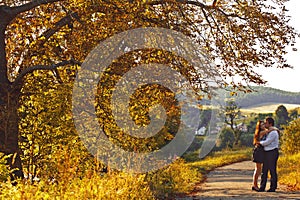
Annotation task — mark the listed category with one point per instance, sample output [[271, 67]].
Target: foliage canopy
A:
[[57, 36]]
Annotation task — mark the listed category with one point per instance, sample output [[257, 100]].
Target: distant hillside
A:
[[268, 107], [263, 95]]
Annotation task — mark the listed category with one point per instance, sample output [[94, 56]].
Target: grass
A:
[[289, 171], [221, 158], [178, 178], [113, 186], [181, 177]]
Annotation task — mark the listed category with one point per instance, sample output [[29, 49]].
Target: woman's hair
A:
[[257, 131]]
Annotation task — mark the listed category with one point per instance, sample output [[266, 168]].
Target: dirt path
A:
[[234, 182]]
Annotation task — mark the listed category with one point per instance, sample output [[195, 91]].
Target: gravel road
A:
[[234, 182]]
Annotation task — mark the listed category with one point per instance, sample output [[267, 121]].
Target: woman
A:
[[259, 134]]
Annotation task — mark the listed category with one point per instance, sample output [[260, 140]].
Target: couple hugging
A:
[[265, 154]]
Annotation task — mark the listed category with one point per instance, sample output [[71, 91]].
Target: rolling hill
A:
[[263, 96], [268, 107], [262, 99]]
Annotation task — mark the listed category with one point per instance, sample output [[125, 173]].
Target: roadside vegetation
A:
[[289, 172], [178, 178], [289, 162]]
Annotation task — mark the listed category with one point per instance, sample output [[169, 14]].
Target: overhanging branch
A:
[[7, 14], [198, 4], [67, 20], [28, 6], [45, 67]]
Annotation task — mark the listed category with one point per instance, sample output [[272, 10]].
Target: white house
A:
[[200, 131]]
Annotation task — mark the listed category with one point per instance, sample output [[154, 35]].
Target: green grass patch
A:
[[221, 158]]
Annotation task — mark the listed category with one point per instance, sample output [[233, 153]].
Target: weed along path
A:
[[234, 182]]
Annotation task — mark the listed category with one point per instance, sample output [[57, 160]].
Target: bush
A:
[[175, 179], [191, 156], [93, 186], [226, 139], [290, 138], [247, 140], [4, 172], [288, 171], [164, 183], [196, 144]]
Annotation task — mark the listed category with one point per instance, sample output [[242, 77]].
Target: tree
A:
[[294, 114], [232, 113], [55, 35], [226, 138], [205, 117], [13, 72], [281, 115]]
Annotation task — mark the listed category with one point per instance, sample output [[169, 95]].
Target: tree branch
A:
[[196, 3], [67, 20], [230, 14], [199, 4], [7, 14], [214, 4], [45, 67], [28, 6]]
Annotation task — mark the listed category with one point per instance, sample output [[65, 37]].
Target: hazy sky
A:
[[287, 79]]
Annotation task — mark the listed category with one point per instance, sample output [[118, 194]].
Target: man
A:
[[270, 145]]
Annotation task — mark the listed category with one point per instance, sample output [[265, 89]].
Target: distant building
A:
[[241, 126], [200, 131]]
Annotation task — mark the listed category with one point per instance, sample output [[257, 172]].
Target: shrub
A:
[[174, 179], [247, 140], [288, 170], [4, 172], [226, 138], [290, 138], [94, 186], [196, 144]]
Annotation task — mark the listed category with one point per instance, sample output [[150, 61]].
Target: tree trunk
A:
[[9, 128], [9, 99]]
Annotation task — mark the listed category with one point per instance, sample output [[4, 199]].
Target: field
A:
[[267, 107]]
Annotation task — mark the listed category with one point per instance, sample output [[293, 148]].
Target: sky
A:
[[287, 79]]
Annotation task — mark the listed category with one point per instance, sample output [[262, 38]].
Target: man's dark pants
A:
[[269, 164]]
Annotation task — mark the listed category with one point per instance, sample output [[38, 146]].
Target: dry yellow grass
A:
[[179, 177], [289, 171], [268, 108]]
